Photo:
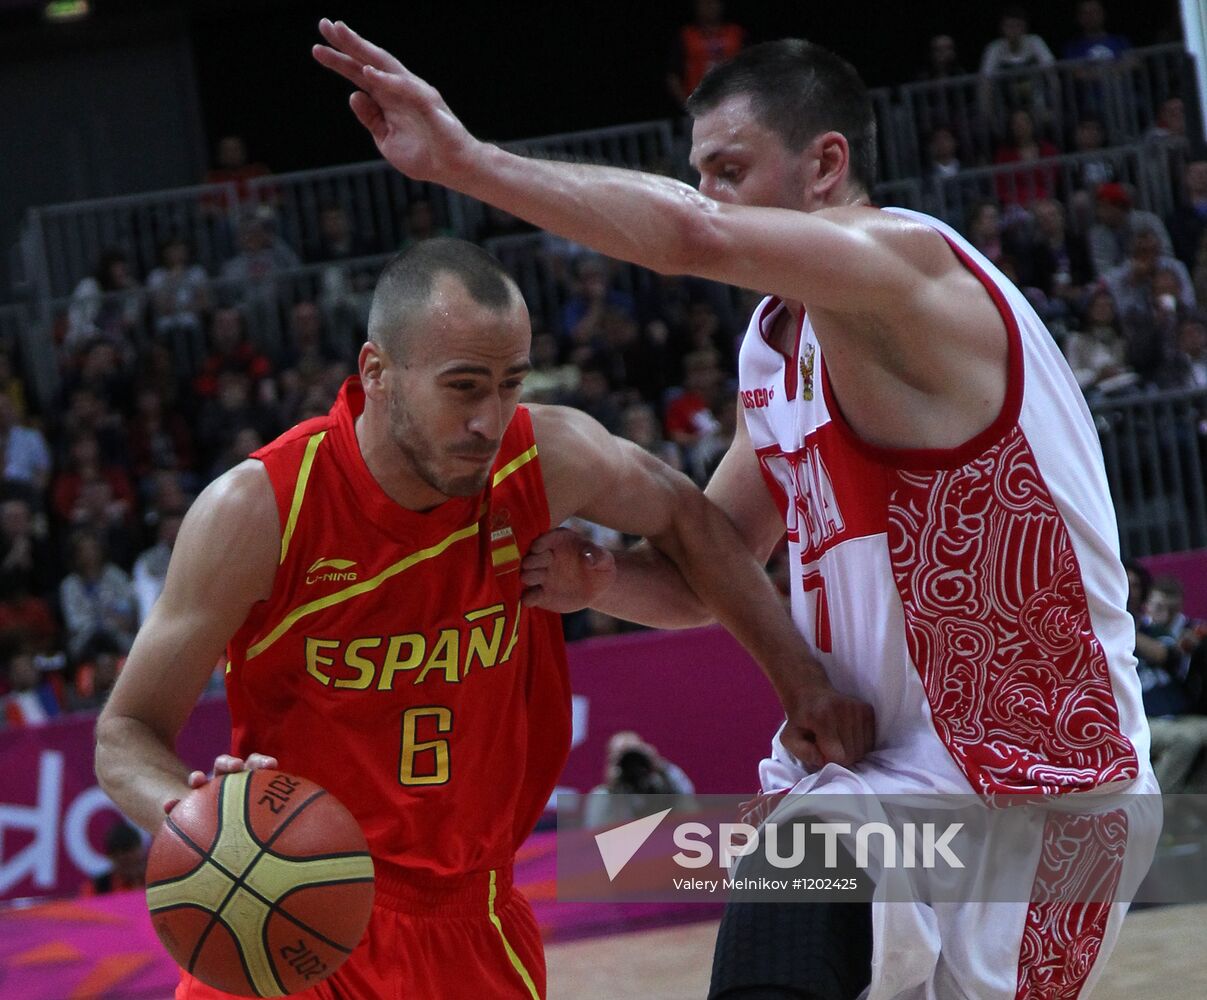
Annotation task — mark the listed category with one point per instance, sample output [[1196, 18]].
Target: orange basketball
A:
[[260, 883]]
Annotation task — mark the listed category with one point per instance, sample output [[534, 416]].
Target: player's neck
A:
[[390, 469]]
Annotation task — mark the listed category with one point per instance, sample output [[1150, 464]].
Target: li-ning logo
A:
[[339, 570]]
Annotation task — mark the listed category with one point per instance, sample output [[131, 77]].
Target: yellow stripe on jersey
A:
[[516, 463], [494, 609], [363, 587], [299, 490], [511, 955]]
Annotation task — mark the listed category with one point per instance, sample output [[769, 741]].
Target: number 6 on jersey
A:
[[424, 762]]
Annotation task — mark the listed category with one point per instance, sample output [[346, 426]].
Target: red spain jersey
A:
[[393, 663]]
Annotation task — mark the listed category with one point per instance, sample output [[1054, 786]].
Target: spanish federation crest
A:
[[806, 373]]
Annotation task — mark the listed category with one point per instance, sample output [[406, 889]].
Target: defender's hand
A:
[[408, 119], [826, 727], [564, 572], [226, 764]]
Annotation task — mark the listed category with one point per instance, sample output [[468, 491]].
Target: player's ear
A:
[[832, 158], [372, 365]]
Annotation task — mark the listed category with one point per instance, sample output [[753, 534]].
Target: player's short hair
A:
[[405, 286], [798, 90]]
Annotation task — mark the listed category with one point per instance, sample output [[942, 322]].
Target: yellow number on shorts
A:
[[430, 756]]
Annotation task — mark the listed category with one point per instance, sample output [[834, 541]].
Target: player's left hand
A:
[[827, 727], [408, 119]]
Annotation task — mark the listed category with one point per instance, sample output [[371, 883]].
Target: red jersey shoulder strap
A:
[[289, 461]]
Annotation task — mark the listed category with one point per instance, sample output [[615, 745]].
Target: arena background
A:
[[132, 98]]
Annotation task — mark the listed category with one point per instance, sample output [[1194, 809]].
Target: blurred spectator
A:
[[33, 699], [306, 351], [1188, 221], [106, 304], [985, 231], [1014, 51], [419, 223], [96, 598], [942, 61], [95, 674], [700, 45], [690, 417], [1132, 281], [230, 351], [639, 424], [1150, 324], [346, 292], [87, 465], [594, 395], [180, 296], [232, 166], [260, 258], [106, 371], [26, 454], [1188, 367], [151, 567], [1093, 41], [1158, 645], [127, 854], [634, 770], [337, 239], [1117, 222], [160, 438], [1051, 258], [582, 315], [27, 563], [11, 385], [1089, 137], [549, 381], [943, 159], [234, 408], [1098, 351], [242, 443], [1170, 124], [88, 413], [1023, 187]]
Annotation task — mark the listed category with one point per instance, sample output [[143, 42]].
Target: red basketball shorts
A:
[[434, 938]]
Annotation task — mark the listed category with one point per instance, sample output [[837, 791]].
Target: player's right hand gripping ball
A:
[[260, 883]]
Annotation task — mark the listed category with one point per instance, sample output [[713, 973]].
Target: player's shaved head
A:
[[404, 291]]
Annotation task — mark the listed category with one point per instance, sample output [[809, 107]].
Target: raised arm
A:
[[615, 483], [653, 221], [223, 562]]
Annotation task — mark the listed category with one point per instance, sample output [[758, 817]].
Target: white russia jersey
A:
[[973, 596]]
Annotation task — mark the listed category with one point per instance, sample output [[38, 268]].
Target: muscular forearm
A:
[[650, 590], [638, 217], [138, 770], [731, 584]]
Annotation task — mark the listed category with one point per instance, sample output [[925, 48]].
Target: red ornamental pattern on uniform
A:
[[1071, 900], [998, 625]]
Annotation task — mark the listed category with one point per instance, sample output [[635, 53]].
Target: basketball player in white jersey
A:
[[909, 423]]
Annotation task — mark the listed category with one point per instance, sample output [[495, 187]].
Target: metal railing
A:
[[1153, 170], [26, 337], [1154, 447], [1124, 94]]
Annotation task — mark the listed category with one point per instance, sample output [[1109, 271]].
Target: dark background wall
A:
[[132, 98]]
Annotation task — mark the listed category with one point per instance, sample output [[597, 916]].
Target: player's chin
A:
[[466, 484]]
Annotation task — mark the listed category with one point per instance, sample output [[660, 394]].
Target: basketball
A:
[[260, 883]]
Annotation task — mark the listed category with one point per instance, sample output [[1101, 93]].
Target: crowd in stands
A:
[[169, 377]]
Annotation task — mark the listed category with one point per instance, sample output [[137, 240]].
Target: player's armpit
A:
[[223, 562]]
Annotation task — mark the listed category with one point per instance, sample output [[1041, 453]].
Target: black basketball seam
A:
[[243, 961], [279, 906], [209, 857], [204, 855], [240, 881]]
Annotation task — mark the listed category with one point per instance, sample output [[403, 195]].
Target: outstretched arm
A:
[[613, 482], [206, 597], [653, 221]]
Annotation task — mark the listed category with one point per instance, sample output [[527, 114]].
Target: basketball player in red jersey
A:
[[362, 573], [907, 423]]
